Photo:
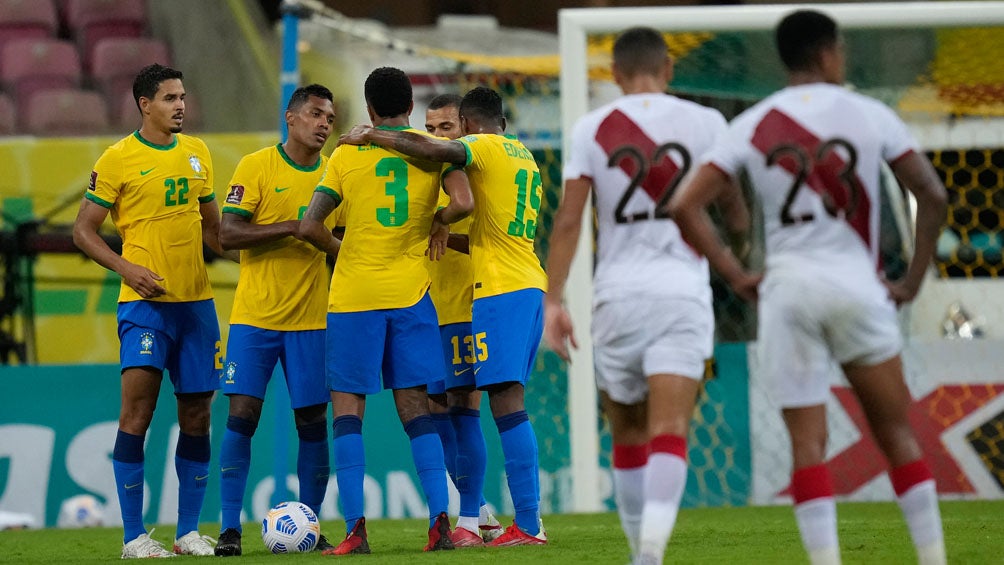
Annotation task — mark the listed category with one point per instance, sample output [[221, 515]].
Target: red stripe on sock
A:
[[630, 456], [674, 445], [810, 483], [906, 476]]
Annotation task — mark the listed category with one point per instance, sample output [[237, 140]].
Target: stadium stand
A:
[[27, 19], [66, 111], [8, 120], [116, 62], [28, 66], [90, 21]]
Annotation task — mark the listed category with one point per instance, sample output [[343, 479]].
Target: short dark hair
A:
[[640, 50], [300, 95], [445, 100], [482, 104], [801, 35], [388, 92], [148, 80]]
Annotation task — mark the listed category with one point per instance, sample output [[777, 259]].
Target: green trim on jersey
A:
[[394, 128], [172, 145], [463, 141], [334, 195], [238, 211], [205, 199], [293, 164], [510, 136], [98, 201]]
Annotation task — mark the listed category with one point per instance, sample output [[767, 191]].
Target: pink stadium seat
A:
[[30, 65], [128, 117], [27, 19], [118, 59], [66, 111], [8, 123], [93, 20]]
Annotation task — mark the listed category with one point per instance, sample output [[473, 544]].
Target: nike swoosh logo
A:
[[225, 469], [458, 373], [130, 487], [202, 478], [476, 369], [144, 173], [277, 189]]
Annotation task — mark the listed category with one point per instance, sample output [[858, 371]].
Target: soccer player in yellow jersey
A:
[[454, 401], [278, 314], [509, 282], [380, 316], [158, 185]]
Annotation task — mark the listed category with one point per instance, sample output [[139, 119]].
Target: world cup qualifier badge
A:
[[146, 343], [236, 194]]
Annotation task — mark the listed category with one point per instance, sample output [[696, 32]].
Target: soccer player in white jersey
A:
[[813, 153], [653, 324]]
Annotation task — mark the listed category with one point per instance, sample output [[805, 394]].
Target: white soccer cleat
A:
[[491, 528], [194, 544], [143, 547]]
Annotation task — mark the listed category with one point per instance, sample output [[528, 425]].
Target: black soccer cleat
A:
[[229, 543], [323, 544], [440, 535]]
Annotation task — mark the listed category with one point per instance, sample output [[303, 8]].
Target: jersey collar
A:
[[171, 145], [293, 164]]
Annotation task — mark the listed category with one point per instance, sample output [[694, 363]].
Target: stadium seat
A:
[[30, 65], [90, 21], [8, 123], [116, 62], [127, 117], [27, 19], [66, 111]]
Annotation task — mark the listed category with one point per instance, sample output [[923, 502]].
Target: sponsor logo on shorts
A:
[[457, 373], [146, 343], [236, 194], [231, 372]]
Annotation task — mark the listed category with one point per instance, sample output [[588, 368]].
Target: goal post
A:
[[575, 26]]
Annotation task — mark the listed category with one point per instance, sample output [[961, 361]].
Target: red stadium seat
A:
[[118, 59], [30, 65], [66, 111], [8, 123], [27, 19], [90, 21]]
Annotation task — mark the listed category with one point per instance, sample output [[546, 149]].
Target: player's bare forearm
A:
[[457, 186], [237, 232], [421, 146], [920, 178], [211, 226], [565, 236], [459, 242], [736, 216], [87, 239], [312, 228]]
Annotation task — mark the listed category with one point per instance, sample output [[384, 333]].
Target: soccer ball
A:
[[81, 511], [290, 527]]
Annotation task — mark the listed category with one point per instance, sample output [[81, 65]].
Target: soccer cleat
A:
[[323, 544], [144, 546], [491, 529], [229, 544], [513, 535], [462, 537], [354, 542], [440, 536], [194, 544]]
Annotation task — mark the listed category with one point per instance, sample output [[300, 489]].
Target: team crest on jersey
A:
[[146, 343], [236, 194], [93, 185], [470, 138], [231, 372], [193, 160]]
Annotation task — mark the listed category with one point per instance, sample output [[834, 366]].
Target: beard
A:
[[175, 129]]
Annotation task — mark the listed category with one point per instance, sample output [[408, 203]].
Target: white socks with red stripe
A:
[[665, 479], [629, 488], [918, 499], [816, 514]]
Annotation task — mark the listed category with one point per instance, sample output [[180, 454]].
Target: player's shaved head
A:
[[388, 92], [801, 35], [302, 94], [640, 50], [484, 106], [147, 82]]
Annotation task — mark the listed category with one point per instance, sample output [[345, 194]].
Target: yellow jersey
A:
[[452, 277], [506, 185], [389, 200], [283, 284], [153, 192]]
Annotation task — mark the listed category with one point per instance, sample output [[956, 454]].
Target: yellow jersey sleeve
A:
[[244, 193]]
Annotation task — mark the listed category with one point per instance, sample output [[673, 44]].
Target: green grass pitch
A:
[[869, 533]]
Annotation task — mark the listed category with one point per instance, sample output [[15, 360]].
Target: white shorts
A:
[[809, 325], [635, 339]]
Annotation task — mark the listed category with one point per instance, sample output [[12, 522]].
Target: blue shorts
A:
[[507, 329], [400, 342], [253, 352], [459, 355], [181, 337]]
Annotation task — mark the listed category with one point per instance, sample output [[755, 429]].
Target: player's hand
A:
[[439, 235], [355, 136], [899, 291], [746, 286], [558, 332], [143, 281]]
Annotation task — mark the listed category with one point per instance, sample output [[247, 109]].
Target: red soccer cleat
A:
[[354, 542], [515, 536], [440, 534], [462, 537]]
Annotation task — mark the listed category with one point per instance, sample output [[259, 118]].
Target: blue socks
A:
[[350, 467], [312, 466], [447, 435], [472, 460], [427, 452], [191, 461], [519, 445], [235, 460], [127, 465]]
